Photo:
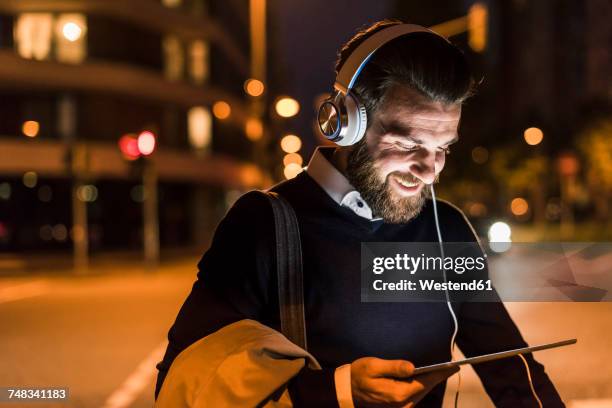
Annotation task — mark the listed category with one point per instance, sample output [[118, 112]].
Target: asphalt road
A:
[[98, 335], [101, 335]]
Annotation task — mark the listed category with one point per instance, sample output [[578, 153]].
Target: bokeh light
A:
[[30, 179], [45, 194], [221, 110], [533, 136], [87, 193], [128, 145], [30, 128], [292, 170], [5, 191], [253, 129], [291, 144], [146, 143], [500, 236], [72, 31], [293, 158], [519, 206], [60, 232], [254, 87], [480, 155], [500, 232], [477, 209], [287, 107]]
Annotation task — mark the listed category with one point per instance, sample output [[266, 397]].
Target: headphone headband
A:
[[359, 57]]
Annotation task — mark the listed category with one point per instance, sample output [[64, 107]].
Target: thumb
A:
[[396, 368]]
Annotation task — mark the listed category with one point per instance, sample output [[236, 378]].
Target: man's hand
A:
[[376, 382]]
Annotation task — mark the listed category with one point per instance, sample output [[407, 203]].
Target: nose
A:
[[424, 168]]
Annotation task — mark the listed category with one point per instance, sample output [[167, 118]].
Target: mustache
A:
[[410, 178], [405, 177]]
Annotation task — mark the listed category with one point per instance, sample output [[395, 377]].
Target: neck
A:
[[340, 159]]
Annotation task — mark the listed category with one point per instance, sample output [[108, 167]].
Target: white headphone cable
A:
[[533, 391], [448, 303]]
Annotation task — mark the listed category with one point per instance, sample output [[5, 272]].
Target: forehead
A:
[[405, 105]]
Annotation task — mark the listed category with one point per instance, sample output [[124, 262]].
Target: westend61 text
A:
[[429, 284]]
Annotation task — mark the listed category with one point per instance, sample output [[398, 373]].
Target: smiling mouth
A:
[[406, 186], [405, 183]]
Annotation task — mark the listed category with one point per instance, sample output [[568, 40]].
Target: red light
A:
[[129, 146], [146, 143]]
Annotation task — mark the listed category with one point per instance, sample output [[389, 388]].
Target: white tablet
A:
[[491, 357]]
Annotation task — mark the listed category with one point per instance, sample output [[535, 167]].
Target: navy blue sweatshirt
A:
[[236, 280]]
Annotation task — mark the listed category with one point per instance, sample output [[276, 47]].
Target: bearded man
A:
[[377, 190]]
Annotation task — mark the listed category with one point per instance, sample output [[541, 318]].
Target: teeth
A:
[[405, 183]]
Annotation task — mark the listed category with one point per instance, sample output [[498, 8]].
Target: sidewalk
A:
[[31, 264]]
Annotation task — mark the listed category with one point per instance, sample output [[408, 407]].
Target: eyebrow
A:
[[398, 128]]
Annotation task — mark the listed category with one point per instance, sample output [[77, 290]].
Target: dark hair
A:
[[425, 62]]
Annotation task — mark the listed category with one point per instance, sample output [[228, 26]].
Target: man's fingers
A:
[[390, 368], [424, 383], [435, 377]]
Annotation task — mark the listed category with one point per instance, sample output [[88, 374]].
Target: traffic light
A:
[[134, 146], [146, 143], [478, 15], [128, 145]]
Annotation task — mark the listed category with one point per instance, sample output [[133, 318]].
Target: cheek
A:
[[390, 162], [440, 161]]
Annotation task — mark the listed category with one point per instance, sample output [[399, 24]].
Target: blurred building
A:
[[544, 66], [77, 75]]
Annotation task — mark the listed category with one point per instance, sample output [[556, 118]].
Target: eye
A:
[[446, 150], [406, 147]]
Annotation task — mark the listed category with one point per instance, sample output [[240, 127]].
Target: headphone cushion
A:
[[357, 120]]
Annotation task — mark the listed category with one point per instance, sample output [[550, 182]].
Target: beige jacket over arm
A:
[[244, 364]]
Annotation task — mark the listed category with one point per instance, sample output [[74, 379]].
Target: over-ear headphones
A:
[[342, 118]]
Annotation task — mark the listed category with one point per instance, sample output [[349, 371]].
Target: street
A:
[[90, 333], [101, 335]]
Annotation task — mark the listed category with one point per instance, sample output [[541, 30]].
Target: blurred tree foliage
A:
[[523, 175], [595, 145]]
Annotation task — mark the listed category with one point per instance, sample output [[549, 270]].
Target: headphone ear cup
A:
[[356, 121], [329, 118]]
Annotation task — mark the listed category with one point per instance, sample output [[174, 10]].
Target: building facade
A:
[[78, 76]]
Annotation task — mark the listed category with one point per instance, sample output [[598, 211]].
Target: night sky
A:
[[308, 35]]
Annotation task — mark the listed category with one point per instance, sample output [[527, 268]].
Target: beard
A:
[[380, 196]]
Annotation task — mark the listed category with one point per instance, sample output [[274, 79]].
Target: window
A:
[[33, 32], [70, 43], [199, 127], [173, 58], [36, 34], [198, 62]]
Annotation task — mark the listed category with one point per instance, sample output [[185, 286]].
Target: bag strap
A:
[[289, 270]]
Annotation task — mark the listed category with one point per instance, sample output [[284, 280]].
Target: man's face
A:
[[403, 151]]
